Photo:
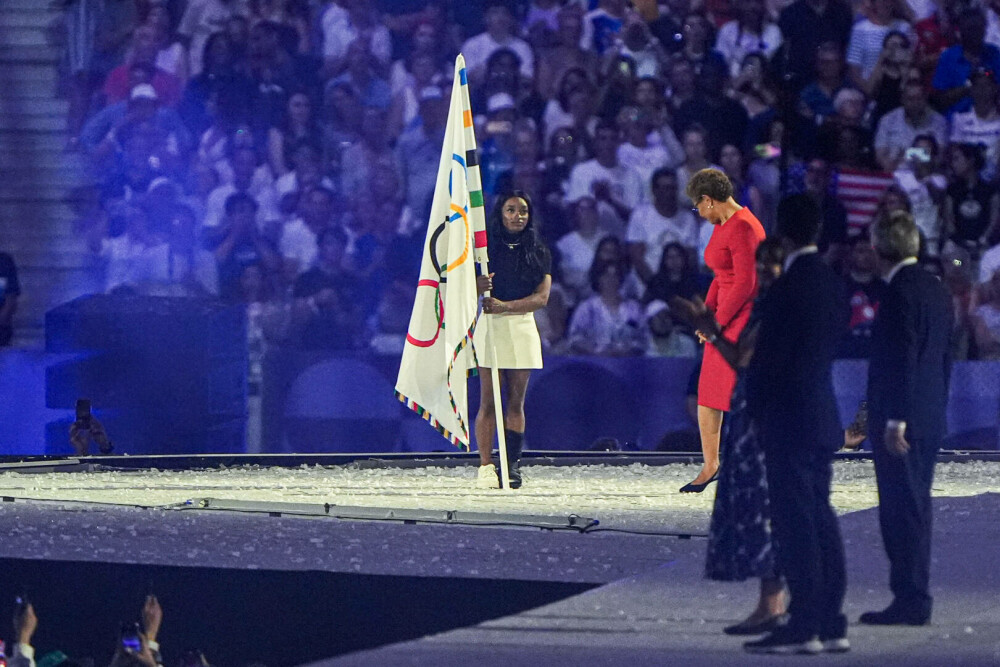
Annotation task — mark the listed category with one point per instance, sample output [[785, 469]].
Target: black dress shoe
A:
[[895, 614], [769, 624], [698, 488]]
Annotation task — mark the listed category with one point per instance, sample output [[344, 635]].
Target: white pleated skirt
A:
[[517, 341]]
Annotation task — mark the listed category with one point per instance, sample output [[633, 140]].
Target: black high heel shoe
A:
[[698, 488]]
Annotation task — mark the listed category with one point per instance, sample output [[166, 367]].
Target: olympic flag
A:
[[438, 353]]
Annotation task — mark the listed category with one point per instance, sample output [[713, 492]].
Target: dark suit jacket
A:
[[790, 384], [910, 363]]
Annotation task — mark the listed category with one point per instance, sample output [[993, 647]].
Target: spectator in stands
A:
[[989, 264], [572, 105], [298, 125], [754, 89], [695, 153], [833, 232], [616, 187], [362, 75], [668, 338], [649, 97], [637, 150], [141, 68], [341, 125], [361, 159], [527, 173], [242, 246], [899, 128], [201, 18], [654, 226], [172, 56], [750, 33], [675, 275], [935, 33], [867, 47], [564, 53], [274, 73], [608, 323], [849, 112], [96, 35], [497, 152], [603, 24], [306, 171], [725, 120], [221, 83], [422, 71], [298, 240], [986, 320], [697, 43], [681, 78], [419, 146], [864, 291], [893, 70], [178, 266], [326, 313], [293, 18], [250, 180], [980, 124], [499, 34], [952, 77], [805, 25], [925, 188], [577, 248], [10, 292], [744, 192], [351, 22], [972, 205], [816, 98], [120, 253], [103, 136]]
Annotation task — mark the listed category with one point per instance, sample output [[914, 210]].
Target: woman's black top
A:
[[519, 262], [971, 208], [663, 288]]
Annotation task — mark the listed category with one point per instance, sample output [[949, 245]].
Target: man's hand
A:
[[853, 438], [152, 617], [79, 437], [895, 441], [25, 623]]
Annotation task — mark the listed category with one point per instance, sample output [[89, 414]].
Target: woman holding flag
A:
[[518, 285]]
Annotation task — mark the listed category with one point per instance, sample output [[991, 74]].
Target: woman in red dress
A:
[[730, 255]]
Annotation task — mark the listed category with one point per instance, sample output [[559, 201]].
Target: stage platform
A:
[[595, 561]]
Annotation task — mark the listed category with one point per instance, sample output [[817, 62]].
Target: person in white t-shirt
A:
[[653, 226], [980, 124], [244, 165], [499, 34], [617, 188], [201, 18], [298, 244], [750, 33], [345, 21], [637, 151], [576, 249]]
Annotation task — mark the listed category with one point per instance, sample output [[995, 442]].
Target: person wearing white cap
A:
[[99, 136]]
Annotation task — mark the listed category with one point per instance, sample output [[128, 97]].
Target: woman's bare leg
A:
[[710, 430]]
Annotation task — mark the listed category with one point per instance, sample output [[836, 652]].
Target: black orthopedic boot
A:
[[515, 443]]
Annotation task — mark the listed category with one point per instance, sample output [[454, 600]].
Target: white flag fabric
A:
[[438, 353]]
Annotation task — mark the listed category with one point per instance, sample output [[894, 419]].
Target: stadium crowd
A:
[[283, 153]]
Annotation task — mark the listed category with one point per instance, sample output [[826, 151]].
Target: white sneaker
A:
[[486, 478]]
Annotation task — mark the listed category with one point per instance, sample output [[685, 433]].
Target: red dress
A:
[[730, 255]]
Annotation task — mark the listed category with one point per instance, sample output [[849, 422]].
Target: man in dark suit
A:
[[790, 397], [907, 396]]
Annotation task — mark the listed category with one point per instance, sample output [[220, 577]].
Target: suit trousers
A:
[[904, 507], [807, 537]]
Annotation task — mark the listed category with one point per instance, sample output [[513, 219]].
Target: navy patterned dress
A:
[[740, 545]]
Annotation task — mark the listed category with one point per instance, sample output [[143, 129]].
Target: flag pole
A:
[[482, 257], [497, 402]]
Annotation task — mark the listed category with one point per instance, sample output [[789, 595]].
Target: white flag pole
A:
[[482, 257]]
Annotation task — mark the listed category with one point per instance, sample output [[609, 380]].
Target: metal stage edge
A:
[[367, 460]]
